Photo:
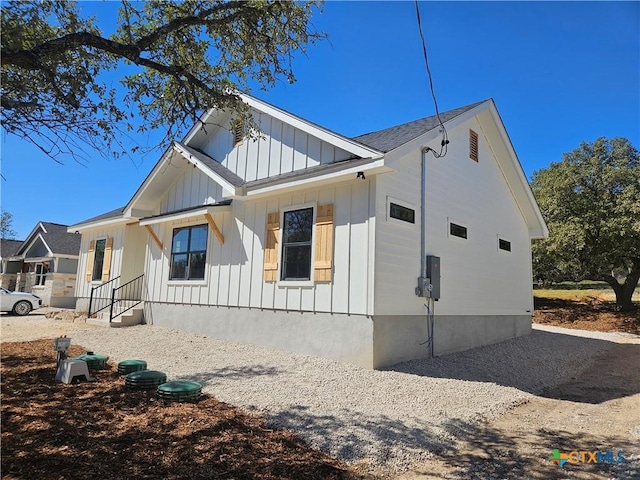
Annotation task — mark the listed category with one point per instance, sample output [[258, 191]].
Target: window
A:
[[457, 230], [504, 244], [98, 260], [41, 273], [296, 244], [188, 253], [473, 145], [402, 213]]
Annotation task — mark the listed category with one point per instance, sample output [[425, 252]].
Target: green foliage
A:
[[6, 223], [174, 59], [591, 203]]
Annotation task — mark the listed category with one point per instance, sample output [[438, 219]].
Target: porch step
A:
[[135, 316]]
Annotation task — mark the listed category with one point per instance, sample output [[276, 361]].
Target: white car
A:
[[18, 303]]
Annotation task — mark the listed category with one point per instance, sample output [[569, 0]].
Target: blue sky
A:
[[559, 72]]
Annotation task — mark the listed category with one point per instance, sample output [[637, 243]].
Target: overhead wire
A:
[[445, 139]]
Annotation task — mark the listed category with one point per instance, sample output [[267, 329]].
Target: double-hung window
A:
[[188, 253], [296, 244]]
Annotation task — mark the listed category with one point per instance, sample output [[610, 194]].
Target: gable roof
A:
[[374, 151], [56, 238], [393, 137]]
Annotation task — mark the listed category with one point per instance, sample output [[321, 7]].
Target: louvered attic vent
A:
[[238, 132], [473, 145]]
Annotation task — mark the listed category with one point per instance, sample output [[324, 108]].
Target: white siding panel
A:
[[246, 268], [359, 254], [476, 277], [279, 148], [288, 141], [342, 247], [300, 150], [275, 147], [234, 275], [313, 151]]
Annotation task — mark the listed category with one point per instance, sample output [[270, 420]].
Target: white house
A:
[[308, 241]]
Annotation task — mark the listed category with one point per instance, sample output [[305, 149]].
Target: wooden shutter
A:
[[106, 266], [90, 257], [323, 264], [271, 247]]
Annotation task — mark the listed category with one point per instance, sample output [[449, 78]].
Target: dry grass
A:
[[51, 430]]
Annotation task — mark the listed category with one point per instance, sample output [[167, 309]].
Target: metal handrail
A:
[[93, 297], [130, 292]]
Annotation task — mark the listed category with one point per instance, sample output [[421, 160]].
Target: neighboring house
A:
[[308, 241], [44, 264], [9, 268]]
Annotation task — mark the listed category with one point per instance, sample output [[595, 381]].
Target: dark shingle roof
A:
[[8, 248], [222, 203], [391, 138], [213, 165], [105, 216], [56, 237], [59, 241]]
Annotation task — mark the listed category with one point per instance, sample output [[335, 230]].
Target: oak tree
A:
[[173, 61], [591, 202]]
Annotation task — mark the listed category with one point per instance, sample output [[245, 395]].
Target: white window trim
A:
[[297, 283], [169, 246], [395, 221], [460, 223], [105, 238], [506, 239]]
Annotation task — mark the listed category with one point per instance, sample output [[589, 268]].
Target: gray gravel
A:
[[390, 419]]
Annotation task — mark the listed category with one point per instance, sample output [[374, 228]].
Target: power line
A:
[[445, 138]]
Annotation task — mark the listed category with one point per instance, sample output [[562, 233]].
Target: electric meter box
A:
[[433, 273]]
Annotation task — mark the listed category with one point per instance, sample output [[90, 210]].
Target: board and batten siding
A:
[[234, 275], [83, 287], [280, 148], [476, 277], [192, 188]]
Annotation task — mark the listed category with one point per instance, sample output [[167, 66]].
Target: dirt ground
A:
[[598, 410], [52, 430], [588, 312]]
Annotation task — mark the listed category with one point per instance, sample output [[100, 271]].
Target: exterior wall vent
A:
[[238, 132], [473, 145]]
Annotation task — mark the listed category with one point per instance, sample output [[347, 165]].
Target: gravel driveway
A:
[[391, 419]]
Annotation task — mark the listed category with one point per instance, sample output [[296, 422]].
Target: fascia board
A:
[[373, 168], [30, 238], [312, 129], [38, 259], [211, 209], [31, 243], [196, 128], [152, 175], [206, 170], [83, 227], [540, 229]]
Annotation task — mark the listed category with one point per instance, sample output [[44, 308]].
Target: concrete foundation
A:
[[346, 338], [369, 342]]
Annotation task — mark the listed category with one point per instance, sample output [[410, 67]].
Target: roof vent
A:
[[238, 131], [473, 145]]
